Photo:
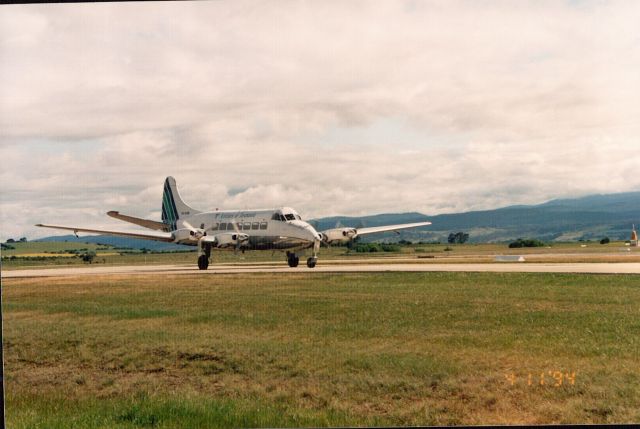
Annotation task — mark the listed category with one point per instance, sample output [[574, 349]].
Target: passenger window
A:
[[276, 216], [255, 225], [223, 227], [263, 225], [230, 227], [214, 227], [247, 225]]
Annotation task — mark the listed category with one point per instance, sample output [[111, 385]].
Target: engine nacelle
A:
[[339, 234], [231, 239], [186, 235]]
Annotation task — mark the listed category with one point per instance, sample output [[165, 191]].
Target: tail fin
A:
[[173, 208]]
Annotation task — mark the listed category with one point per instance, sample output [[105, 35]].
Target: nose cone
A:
[[310, 232]]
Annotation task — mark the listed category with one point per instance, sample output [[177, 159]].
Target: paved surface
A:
[[604, 268]]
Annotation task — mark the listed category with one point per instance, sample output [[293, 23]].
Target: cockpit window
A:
[[282, 218], [298, 217]]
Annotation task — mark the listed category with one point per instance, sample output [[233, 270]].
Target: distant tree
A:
[[387, 247], [605, 240], [11, 240], [23, 239], [526, 242], [458, 237], [367, 247], [89, 256]]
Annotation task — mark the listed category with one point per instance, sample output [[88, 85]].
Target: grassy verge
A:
[[52, 254], [322, 350]]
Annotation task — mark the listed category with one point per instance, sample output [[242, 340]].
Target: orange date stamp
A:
[[543, 378]]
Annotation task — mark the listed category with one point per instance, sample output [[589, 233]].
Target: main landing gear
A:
[[203, 262], [203, 259], [292, 259], [311, 262]]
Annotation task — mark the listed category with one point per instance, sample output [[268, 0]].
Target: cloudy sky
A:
[[341, 107]]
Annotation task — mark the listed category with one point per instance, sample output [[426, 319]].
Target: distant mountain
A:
[[588, 218]]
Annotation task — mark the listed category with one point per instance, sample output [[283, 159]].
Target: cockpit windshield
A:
[[286, 216]]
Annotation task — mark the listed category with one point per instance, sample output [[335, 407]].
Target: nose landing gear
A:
[[311, 262]]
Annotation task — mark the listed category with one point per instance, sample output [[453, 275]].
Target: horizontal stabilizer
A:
[[156, 237], [150, 224]]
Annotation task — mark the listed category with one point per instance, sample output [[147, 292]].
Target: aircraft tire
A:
[[311, 262], [293, 260], [203, 262]]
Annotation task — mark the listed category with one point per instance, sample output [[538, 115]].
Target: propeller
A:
[[323, 237], [238, 236], [196, 233], [324, 240]]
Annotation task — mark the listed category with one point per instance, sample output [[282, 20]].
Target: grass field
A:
[[321, 350]]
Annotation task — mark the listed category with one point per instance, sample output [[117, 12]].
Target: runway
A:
[[505, 267]]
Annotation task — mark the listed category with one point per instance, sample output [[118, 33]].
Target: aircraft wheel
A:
[[311, 262], [292, 260], [203, 262]]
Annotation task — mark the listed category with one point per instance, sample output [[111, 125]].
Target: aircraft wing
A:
[[167, 237], [151, 224], [374, 229], [343, 234]]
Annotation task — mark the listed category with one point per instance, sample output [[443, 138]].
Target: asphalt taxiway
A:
[[505, 267]]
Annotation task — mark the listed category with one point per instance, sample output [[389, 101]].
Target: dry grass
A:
[[426, 253], [318, 350]]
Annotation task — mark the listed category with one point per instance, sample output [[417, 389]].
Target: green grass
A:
[[143, 410], [321, 350]]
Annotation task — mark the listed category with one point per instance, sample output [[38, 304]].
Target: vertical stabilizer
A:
[[173, 208]]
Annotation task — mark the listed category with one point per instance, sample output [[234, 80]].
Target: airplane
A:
[[262, 229]]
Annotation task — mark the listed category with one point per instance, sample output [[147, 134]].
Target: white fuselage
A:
[[280, 228]]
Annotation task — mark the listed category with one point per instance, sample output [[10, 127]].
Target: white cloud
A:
[[331, 107]]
